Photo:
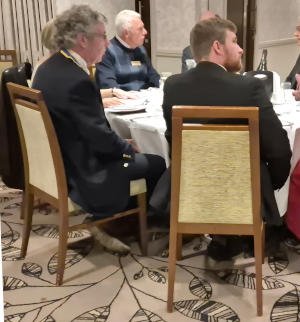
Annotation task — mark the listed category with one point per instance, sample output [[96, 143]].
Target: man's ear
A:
[[82, 40], [125, 33], [217, 47]]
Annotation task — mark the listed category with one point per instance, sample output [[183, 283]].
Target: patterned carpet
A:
[[100, 286]]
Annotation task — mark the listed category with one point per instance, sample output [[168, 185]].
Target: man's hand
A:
[[125, 95], [133, 144], [111, 101]]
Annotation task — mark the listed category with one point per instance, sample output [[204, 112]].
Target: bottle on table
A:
[[263, 62]]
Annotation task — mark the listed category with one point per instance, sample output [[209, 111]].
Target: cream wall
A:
[[276, 21], [109, 8], [171, 22]]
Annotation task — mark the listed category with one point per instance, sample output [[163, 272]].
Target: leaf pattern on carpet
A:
[[247, 280], [100, 315], [11, 253], [32, 269], [145, 315], [13, 205], [51, 231], [279, 262], [12, 283], [164, 269], [14, 317], [206, 310], [6, 304], [156, 276], [200, 288], [49, 318], [287, 307], [9, 237], [75, 253], [138, 275]]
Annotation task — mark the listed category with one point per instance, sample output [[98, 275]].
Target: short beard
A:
[[233, 68]]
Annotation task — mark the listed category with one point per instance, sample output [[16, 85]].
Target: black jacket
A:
[[92, 152], [209, 84]]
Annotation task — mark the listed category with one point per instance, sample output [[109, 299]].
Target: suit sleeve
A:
[[90, 122], [167, 111], [106, 72], [274, 143], [296, 70], [183, 63]]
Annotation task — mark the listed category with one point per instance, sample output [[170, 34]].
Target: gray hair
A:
[[205, 32], [123, 20], [48, 36], [78, 19]]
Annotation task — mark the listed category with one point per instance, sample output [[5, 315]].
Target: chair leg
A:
[[143, 223], [263, 238], [22, 215], [27, 212], [258, 268], [179, 247], [62, 247], [173, 242]]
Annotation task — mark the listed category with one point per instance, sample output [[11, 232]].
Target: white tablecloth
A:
[[148, 129]]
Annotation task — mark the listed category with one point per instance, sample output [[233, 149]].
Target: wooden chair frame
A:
[[178, 228], [33, 99], [9, 53]]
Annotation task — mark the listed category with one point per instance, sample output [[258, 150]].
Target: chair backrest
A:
[[44, 169], [8, 58], [216, 167]]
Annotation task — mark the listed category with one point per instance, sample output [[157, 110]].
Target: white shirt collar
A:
[[123, 42], [79, 61]]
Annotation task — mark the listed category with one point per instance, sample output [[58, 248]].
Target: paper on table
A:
[[125, 109]]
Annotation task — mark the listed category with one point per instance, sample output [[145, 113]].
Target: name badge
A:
[[136, 63]]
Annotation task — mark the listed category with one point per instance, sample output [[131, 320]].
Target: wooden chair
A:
[[215, 181], [45, 174], [8, 58]]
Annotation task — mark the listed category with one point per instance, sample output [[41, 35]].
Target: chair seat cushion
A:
[[137, 187]]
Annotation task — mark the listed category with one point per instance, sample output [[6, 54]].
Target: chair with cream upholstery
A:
[[215, 180], [45, 174], [8, 58]]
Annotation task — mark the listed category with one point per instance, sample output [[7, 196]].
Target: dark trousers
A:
[[148, 166]]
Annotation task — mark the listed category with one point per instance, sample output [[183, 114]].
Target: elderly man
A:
[[99, 164], [213, 82], [294, 76], [187, 60], [126, 64]]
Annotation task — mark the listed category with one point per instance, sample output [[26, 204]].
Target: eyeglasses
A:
[[97, 34]]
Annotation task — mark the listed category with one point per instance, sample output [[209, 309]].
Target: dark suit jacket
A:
[[296, 70], [209, 84], [92, 152], [186, 54], [116, 69]]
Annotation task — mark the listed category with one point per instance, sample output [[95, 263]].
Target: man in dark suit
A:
[[214, 82], [99, 164], [294, 75]]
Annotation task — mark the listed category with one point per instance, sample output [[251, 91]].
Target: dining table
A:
[[142, 120]]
